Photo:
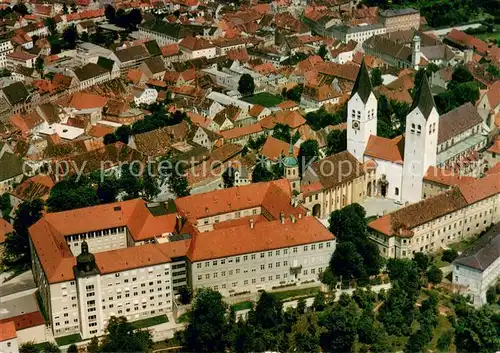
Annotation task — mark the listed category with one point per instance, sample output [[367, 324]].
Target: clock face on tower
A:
[[355, 124]]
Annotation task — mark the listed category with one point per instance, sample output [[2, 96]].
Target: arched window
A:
[[419, 129], [412, 128], [396, 191]]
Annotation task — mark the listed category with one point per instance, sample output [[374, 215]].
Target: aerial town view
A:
[[249, 176]]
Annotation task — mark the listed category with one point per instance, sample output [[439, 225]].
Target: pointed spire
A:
[[363, 84], [423, 97]]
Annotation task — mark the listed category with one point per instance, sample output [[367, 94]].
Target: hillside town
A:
[[249, 176]]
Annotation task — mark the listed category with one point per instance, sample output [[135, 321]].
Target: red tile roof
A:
[[5, 228], [244, 239], [386, 149], [100, 130], [274, 148], [285, 117], [7, 331], [24, 321], [273, 196], [83, 100], [194, 43], [446, 177], [481, 189], [241, 131]]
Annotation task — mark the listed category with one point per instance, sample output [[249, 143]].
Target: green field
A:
[[150, 321], [242, 306], [301, 293], [67, 340], [265, 99]]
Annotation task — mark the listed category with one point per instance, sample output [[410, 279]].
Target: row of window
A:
[[262, 255], [99, 233], [229, 216]]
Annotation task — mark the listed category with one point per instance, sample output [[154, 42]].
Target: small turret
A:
[[85, 262], [291, 169]]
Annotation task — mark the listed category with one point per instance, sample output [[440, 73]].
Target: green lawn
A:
[[67, 340], [443, 326], [242, 306], [302, 293], [151, 321], [265, 99], [462, 245], [184, 317]]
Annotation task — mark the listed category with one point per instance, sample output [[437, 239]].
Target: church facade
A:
[[450, 141]]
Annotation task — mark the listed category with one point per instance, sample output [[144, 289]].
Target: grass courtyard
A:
[[151, 321], [264, 98]]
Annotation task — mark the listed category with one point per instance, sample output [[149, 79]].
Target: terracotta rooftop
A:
[[7, 331], [37, 187], [82, 100], [285, 117], [386, 149], [274, 148], [24, 321], [244, 239], [241, 131], [5, 228], [446, 177], [419, 213]]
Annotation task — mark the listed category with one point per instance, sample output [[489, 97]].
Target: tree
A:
[[109, 12], [322, 51], [319, 302], [246, 85], [449, 255], [207, 324], [74, 8], [308, 153], [422, 261], [295, 93], [72, 349], [336, 141], [109, 139], [108, 189], [65, 9], [282, 132], [340, 323], [268, 312], [72, 193], [70, 36], [261, 171], [28, 347], [123, 133], [130, 181], [434, 275], [134, 17], [348, 223], [477, 331], [51, 25], [93, 346], [376, 77], [429, 313], [491, 295], [122, 337], [432, 68], [460, 75], [150, 188], [306, 334], [444, 341], [186, 294], [347, 262], [228, 177], [397, 312], [5, 206], [17, 247], [178, 184], [419, 340], [39, 66], [50, 347]]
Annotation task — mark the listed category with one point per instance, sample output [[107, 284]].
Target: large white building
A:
[[431, 224], [128, 258], [478, 268], [449, 141]]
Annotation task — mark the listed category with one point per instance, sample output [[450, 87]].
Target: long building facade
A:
[[430, 225], [129, 258]]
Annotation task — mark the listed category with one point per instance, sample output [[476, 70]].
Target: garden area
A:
[[151, 321], [264, 98]]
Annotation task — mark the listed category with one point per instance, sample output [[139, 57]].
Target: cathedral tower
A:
[[421, 136], [361, 114]]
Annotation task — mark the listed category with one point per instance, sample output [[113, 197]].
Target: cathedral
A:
[[450, 142]]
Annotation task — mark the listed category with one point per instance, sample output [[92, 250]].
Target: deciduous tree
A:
[[246, 85]]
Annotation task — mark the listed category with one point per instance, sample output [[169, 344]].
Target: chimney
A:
[[282, 217], [300, 215], [251, 223], [292, 217], [178, 223]]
